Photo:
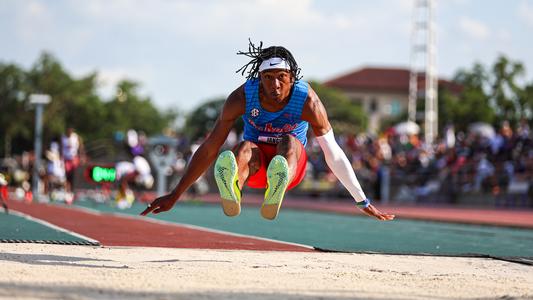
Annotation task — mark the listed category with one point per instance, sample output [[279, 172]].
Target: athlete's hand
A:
[[160, 204], [372, 211]]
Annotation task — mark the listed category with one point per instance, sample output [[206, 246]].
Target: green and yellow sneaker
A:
[[277, 182], [227, 178]]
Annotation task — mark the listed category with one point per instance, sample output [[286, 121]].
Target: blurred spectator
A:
[[3, 192], [137, 172], [484, 170], [55, 169], [461, 163], [136, 142], [72, 151]]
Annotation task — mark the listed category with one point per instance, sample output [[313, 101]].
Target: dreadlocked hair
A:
[[258, 55]]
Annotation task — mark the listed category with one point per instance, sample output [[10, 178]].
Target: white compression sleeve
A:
[[339, 164]]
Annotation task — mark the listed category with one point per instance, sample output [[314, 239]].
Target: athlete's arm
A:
[[206, 153], [315, 113]]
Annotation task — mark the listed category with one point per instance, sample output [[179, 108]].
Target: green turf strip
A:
[[353, 233], [13, 227]]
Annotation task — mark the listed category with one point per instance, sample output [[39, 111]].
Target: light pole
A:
[[423, 55], [39, 100]]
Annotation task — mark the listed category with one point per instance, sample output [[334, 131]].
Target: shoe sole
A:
[[226, 177], [277, 183]]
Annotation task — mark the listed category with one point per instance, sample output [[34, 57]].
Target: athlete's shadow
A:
[[56, 260]]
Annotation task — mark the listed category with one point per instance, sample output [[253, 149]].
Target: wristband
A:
[[363, 204]]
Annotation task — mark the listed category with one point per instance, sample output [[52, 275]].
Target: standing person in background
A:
[[277, 108], [3, 193], [54, 177], [55, 168], [73, 153]]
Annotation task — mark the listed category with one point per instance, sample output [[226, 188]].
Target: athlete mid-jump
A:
[[277, 108]]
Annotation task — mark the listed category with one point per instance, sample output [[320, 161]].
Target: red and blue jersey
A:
[[262, 126]]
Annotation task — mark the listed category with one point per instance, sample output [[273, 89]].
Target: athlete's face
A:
[[276, 84]]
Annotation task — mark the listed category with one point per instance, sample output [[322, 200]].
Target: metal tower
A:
[[423, 54]]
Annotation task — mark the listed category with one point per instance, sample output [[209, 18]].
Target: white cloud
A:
[[36, 9], [454, 3], [174, 47], [208, 20], [474, 29], [342, 22], [109, 77], [33, 20], [503, 35], [525, 13]]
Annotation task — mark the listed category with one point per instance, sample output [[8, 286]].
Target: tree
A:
[[526, 101], [130, 110], [75, 103], [15, 122], [345, 116], [505, 92], [47, 76], [201, 120], [472, 105], [489, 95]]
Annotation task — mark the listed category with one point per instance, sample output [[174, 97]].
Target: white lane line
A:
[[45, 223]]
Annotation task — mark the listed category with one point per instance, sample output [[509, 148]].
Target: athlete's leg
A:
[[248, 156], [281, 171], [232, 169], [290, 148]]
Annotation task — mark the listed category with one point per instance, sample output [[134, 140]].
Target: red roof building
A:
[[383, 92]]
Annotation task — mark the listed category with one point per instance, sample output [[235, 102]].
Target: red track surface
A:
[[114, 230]]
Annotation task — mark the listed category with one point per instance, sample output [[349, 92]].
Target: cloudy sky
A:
[[183, 51]]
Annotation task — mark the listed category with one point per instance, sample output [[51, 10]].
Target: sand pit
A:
[[37, 271]]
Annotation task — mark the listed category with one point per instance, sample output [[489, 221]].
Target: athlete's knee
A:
[[244, 149], [288, 145], [248, 153]]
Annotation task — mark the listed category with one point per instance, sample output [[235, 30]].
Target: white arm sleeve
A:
[[339, 164]]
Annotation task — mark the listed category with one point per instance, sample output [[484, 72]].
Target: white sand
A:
[[35, 271]]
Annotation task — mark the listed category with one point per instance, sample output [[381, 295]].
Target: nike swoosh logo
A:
[[281, 177], [274, 64], [221, 171]]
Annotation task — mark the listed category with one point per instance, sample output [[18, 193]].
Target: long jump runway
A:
[[122, 230], [202, 225], [195, 252]]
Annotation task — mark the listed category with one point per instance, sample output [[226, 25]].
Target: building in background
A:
[[383, 92]]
